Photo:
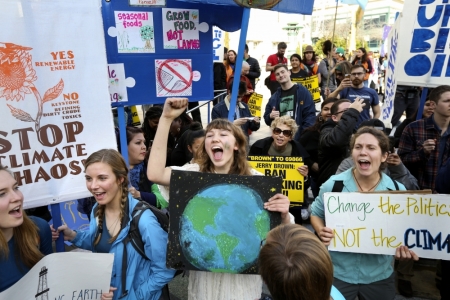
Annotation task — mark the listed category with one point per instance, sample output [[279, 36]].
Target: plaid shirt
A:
[[424, 167]]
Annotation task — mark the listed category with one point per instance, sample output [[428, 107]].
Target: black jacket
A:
[[255, 70], [220, 76], [262, 146], [334, 143]]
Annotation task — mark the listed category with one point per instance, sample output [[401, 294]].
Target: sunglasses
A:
[[286, 133]]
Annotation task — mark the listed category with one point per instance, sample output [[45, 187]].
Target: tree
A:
[[147, 34]]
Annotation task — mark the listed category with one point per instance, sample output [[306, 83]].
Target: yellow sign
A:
[[254, 104], [311, 84], [286, 167], [135, 116]]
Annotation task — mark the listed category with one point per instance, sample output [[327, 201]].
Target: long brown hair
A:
[[26, 240], [240, 165], [382, 138], [292, 255], [113, 159]]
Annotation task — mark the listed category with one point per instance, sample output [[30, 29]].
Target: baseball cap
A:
[[340, 51]]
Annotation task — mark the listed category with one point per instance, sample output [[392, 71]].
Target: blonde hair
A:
[[285, 120], [113, 159], [240, 164], [26, 239]]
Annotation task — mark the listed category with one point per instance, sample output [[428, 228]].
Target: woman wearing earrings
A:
[[107, 179], [23, 240]]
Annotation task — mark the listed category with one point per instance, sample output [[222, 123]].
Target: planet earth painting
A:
[[222, 227]]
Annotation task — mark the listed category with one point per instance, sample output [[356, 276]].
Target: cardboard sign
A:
[[135, 31], [180, 28], [423, 44], [285, 167], [379, 223], [254, 104], [66, 275], [218, 221], [117, 85], [311, 84]]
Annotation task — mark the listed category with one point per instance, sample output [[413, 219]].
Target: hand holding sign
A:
[[110, 294], [240, 121], [279, 203], [403, 253], [326, 235]]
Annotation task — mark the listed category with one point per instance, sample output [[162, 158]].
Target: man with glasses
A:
[[292, 100], [353, 87], [335, 136]]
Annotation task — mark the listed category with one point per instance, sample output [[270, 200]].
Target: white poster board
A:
[[387, 110], [379, 223], [62, 276], [423, 44], [180, 28], [218, 44], [135, 32], [58, 111], [147, 2], [116, 84]]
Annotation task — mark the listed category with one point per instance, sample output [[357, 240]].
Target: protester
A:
[[272, 61], [335, 136], [181, 153], [195, 140], [150, 124], [310, 62], [353, 87], [220, 82], [361, 59], [298, 69], [406, 100], [310, 141], [230, 63], [242, 116], [292, 255], [282, 144], [243, 78], [254, 71], [425, 144], [24, 240], [342, 69], [290, 99], [326, 66], [368, 276], [340, 54], [107, 179], [223, 152]]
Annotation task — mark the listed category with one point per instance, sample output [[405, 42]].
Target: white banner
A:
[[379, 223], [423, 44], [62, 276], [54, 99], [387, 110]]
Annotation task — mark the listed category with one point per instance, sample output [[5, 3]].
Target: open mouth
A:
[[99, 196], [217, 152], [364, 164], [17, 212]]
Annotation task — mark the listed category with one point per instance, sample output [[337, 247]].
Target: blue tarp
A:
[[304, 7]]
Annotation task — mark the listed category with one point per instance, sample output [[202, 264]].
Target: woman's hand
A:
[[240, 121], [110, 294], [403, 253], [55, 233], [69, 234], [303, 170], [173, 107], [135, 193], [325, 235], [279, 203]]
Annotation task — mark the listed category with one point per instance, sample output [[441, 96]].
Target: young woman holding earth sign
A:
[[369, 276], [224, 152]]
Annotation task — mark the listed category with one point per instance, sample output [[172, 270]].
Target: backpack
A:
[[338, 186], [134, 236]]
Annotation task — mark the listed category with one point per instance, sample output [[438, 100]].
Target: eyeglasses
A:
[[342, 111], [357, 74], [286, 133]]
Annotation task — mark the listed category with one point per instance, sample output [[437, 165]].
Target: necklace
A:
[[111, 231], [360, 185]]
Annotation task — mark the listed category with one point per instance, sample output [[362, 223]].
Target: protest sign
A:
[[117, 86], [379, 223], [218, 221], [387, 110], [147, 2], [218, 44], [135, 31], [54, 101], [62, 276], [180, 28], [311, 84], [423, 44], [254, 104], [285, 167]]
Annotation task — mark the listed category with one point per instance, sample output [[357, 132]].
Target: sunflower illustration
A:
[[16, 81]]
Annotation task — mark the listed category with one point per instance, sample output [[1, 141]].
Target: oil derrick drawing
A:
[[42, 290]]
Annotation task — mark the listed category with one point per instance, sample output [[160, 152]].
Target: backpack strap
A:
[[338, 186], [395, 184]]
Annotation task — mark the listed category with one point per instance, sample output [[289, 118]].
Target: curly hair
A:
[[285, 120], [113, 159], [240, 164]]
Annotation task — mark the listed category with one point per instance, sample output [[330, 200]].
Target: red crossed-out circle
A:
[[166, 64]]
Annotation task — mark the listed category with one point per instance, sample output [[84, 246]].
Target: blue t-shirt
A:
[[12, 270], [104, 245], [369, 95]]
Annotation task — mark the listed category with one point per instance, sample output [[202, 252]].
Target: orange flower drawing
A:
[[16, 81]]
